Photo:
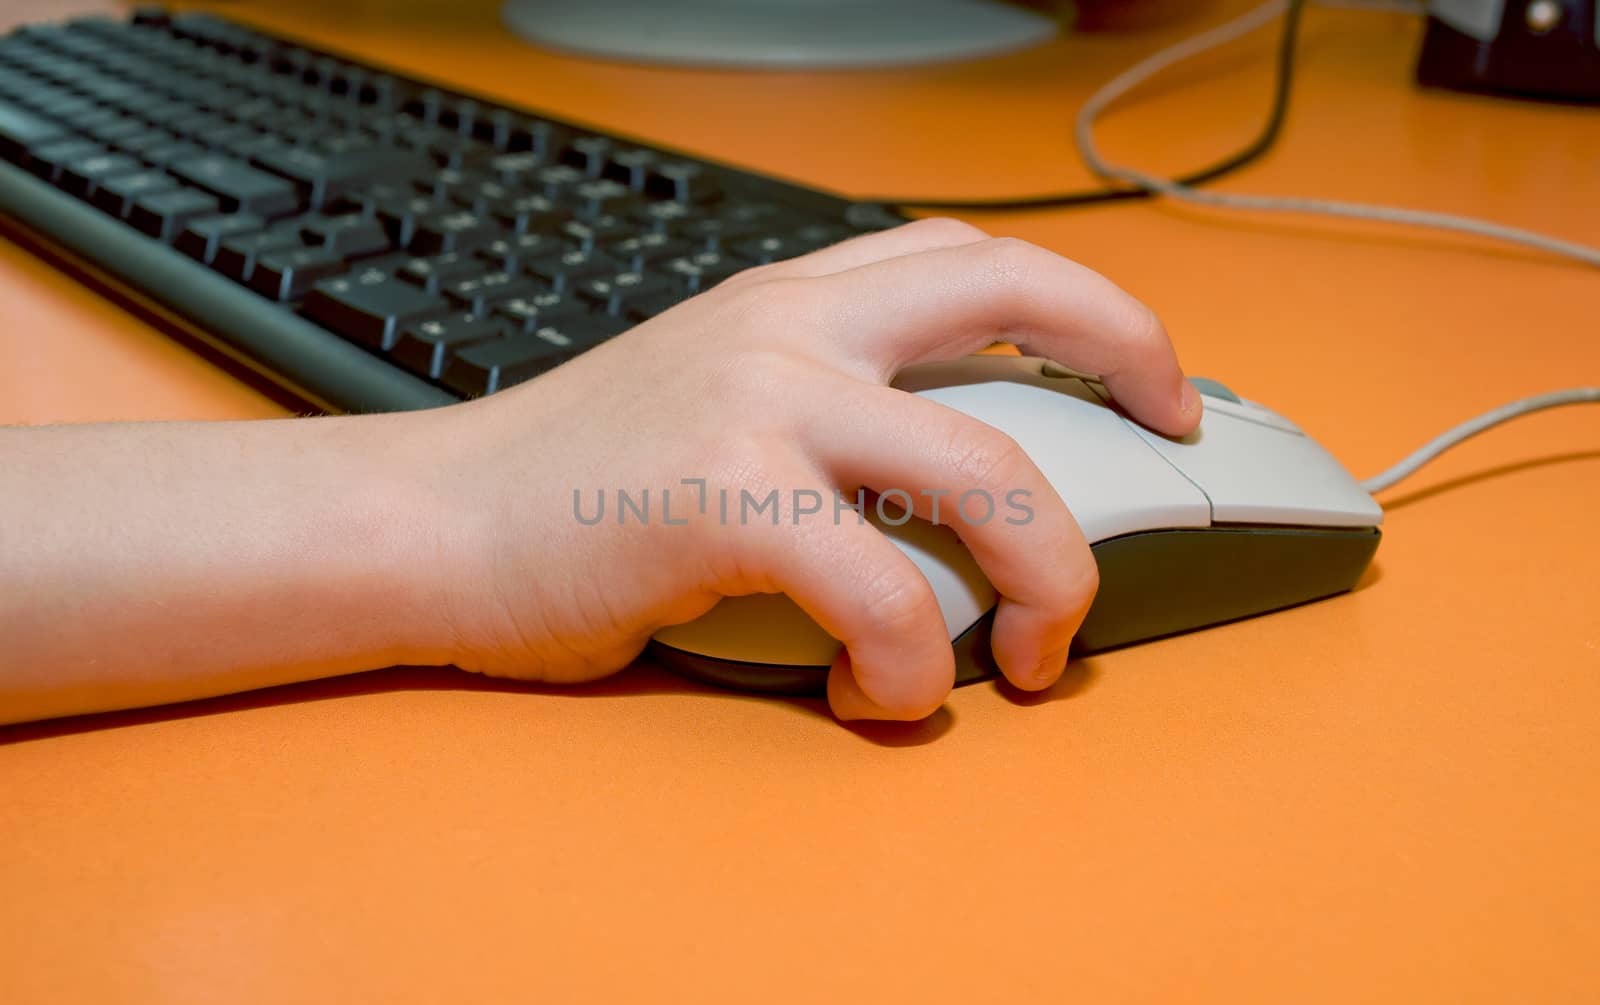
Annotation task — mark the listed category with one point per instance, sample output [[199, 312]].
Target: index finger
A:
[[951, 301]]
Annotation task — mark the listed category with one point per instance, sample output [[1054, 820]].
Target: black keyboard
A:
[[370, 241]]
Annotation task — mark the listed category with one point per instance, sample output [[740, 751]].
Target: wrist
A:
[[402, 536]]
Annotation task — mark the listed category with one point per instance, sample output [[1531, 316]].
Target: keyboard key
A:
[[479, 194], [196, 127], [424, 348], [798, 240], [164, 214], [399, 216], [763, 215], [572, 267], [602, 196], [21, 131], [452, 230], [289, 275], [118, 130], [713, 233], [452, 150], [322, 176], [586, 234], [241, 187], [163, 113], [639, 251], [117, 195], [425, 104], [556, 179], [349, 236], [429, 273], [682, 181], [532, 310], [588, 154], [173, 151], [492, 366], [610, 293], [508, 253], [631, 167], [703, 270], [460, 114], [82, 176], [660, 216], [509, 131], [237, 256], [56, 104], [49, 160], [474, 293], [88, 118], [368, 307], [525, 213], [440, 185], [515, 168], [202, 238]]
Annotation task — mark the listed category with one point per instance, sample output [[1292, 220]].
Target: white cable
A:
[[1488, 420], [1219, 36], [1413, 7], [1238, 28]]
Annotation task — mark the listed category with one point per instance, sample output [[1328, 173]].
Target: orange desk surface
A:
[[1388, 796]]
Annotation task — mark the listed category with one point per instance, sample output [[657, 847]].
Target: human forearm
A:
[[144, 564]]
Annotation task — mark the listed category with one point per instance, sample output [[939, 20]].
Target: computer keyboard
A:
[[371, 241]]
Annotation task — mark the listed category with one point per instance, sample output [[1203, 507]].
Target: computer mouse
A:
[[1244, 516]]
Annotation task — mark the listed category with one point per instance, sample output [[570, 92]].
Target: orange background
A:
[[1386, 796]]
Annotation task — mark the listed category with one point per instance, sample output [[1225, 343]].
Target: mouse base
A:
[[1152, 584]]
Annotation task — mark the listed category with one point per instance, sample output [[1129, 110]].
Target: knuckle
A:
[[752, 379], [1068, 591], [898, 603], [1078, 583], [1067, 576], [1010, 261], [768, 303], [1145, 336], [1148, 331], [985, 457], [944, 228], [745, 277], [739, 461]]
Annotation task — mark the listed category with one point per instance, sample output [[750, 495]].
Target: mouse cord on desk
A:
[[1177, 188], [1292, 10], [1472, 427], [1257, 148]]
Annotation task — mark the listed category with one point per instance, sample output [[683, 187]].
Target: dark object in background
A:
[[1530, 48]]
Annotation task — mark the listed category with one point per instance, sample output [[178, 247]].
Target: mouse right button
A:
[[1258, 474]]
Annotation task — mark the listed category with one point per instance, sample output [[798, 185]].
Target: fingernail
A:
[[849, 707], [1189, 400], [1050, 668]]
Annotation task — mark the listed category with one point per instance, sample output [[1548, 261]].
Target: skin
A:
[[151, 563]]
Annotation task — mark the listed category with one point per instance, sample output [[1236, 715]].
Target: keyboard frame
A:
[[271, 339]]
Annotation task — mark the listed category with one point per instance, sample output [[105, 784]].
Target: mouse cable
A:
[[1177, 189], [1252, 152], [1472, 427]]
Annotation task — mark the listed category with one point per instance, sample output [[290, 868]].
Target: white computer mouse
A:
[[1244, 516]]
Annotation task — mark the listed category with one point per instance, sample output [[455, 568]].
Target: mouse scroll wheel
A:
[[1214, 389], [1050, 368]]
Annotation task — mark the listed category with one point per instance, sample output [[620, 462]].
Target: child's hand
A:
[[776, 379]]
